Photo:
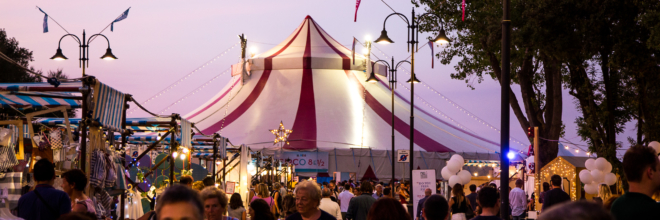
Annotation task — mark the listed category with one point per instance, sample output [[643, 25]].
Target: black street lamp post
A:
[[413, 40], [84, 50]]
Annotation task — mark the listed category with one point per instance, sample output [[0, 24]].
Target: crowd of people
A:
[[348, 200]]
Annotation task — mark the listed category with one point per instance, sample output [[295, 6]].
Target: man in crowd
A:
[[186, 181], [358, 207], [435, 208], [582, 210], [379, 192], [208, 181], [473, 196], [44, 202], [179, 202], [427, 193], [308, 200], [489, 203], [556, 195], [518, 201], [344, 199], [642, 169], [329, 206]]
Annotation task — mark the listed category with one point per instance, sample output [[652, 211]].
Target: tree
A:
[[533, 66], [605, 52]]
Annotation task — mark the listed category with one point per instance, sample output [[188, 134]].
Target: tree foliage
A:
[[605, 52]]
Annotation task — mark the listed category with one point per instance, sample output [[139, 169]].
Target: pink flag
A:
[[357, 5], [463, 6], [432, 55], [353, 50]]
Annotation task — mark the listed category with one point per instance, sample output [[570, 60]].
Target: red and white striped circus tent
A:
[[310, 83]]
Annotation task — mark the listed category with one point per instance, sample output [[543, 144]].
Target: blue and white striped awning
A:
[[41, 86], [135, 124], [150, 139], [482, 163], [25, 100], [205, 155]]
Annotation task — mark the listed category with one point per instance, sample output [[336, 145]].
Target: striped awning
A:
[[25, 100], [205, 155], [41, 86], [133, 124], [482, 163]]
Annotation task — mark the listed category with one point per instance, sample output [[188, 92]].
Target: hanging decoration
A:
[[598, 172], [281, 134], [453, 171]]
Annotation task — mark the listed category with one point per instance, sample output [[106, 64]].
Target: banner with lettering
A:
[[315, 162]]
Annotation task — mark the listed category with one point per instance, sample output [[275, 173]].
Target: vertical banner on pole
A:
[[422, 180]]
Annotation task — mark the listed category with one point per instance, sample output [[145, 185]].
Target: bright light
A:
[[105, 58], [183, 156], [367, 38], [365, 51], [566, 147], [577, 151], [185, 150], [442, 42], [488, 176], [58, 58], [510, 155], [216, 185], [175, 154], [253, 50], [475, 173]]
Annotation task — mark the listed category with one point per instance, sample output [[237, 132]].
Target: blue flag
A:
[[121, 17], [45, 20]]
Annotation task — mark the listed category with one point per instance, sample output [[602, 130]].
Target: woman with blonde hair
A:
[[458, 203], [603, 194]]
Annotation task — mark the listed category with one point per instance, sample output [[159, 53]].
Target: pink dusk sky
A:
[[162, 41]]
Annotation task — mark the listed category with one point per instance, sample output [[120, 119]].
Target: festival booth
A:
[[316, 88], [576, 171]]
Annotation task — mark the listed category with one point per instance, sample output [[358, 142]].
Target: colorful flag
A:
[[357, 5], [45, 20], [353, 50], [463, 6], [432, 54], [121, 17]]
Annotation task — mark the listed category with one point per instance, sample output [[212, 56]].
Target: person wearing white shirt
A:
[[344, 199], [518, 201], [330, 206]]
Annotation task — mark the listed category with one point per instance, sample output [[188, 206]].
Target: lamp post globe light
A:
[[413, 40], [83, 50]]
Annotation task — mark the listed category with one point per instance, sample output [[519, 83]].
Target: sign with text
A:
[[315, 162], [403, 156], [422, 180]]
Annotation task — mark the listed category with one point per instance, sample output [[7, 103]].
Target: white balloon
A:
[[465, 176], [591, 188], [457, 157], [455, 179], [655, 145], [446, 174], [454, 166], [585, 177], [608, 168], [610, 179], [590, 164], [597, 176], [601, 163]]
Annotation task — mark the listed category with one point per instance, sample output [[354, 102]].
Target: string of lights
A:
[[194, 91], [176, 83]]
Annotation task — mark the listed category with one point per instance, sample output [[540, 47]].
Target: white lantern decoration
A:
[[597, 176], [585, 177], [601, 164], [465, 176], [590, 164], [610, 179], [446, 174], [454, 166], [455, 179], [591, 188], [655, 145]]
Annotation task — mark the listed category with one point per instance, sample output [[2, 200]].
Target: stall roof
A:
[[25, 100], [42, 86]]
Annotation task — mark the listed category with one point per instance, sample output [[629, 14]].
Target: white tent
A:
[[311, 84]]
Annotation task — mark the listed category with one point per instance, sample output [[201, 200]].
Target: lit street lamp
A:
[[413, 40], [84, 50]]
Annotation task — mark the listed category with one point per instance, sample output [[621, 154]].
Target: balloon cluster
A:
[[598, 172], [454, 173]]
